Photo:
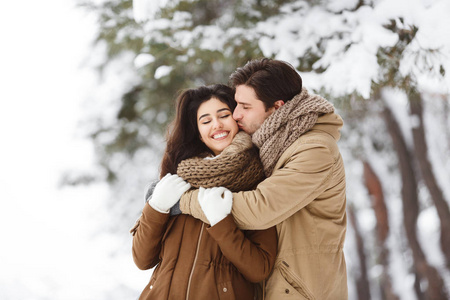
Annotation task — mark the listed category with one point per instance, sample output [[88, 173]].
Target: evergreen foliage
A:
[[189, 39]]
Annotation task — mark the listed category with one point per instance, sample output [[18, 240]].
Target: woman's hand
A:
[[215, 207], [167, 192]]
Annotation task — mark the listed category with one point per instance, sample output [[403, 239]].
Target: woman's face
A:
[[216, 125]]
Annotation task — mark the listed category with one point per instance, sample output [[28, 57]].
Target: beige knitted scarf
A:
[[237, 168], [286, 125]]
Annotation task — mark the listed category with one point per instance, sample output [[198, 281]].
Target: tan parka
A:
[[305, 198]]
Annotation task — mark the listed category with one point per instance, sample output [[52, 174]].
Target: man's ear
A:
[[278, 104]]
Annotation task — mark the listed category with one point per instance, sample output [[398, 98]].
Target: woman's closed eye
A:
[[207, 121]]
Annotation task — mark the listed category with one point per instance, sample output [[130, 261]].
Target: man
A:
[[304, 192]]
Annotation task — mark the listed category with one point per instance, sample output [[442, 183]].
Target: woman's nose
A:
[[218, 124]]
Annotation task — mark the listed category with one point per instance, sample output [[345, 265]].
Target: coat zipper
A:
[[195, 260]]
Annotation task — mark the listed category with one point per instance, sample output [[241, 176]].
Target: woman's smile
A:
[[220, 136]]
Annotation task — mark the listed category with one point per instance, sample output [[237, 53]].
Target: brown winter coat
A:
[[305, 198], [195, 261]]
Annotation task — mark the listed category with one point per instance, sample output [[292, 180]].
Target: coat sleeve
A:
[[189, 205], [253, 253], [292, 186], [147, 238]]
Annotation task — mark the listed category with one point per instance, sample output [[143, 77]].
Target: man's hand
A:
[[167, 192], [215, 207]]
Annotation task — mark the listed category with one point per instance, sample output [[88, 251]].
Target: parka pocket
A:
[[225, 290], [151, 284], [285, 284], [294, 281]]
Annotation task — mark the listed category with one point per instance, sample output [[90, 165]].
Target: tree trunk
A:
[[421, 150], [362, 282], [432, 281], [375, 190], [446, 109]]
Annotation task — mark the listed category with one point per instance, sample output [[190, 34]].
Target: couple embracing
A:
[[251, 201]]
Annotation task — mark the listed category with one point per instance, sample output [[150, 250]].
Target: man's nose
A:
[[237, 114]]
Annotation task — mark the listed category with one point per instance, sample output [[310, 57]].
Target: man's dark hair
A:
[[271, 79]]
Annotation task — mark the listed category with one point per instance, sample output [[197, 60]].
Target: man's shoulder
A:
[[316, 137], [309, 142]]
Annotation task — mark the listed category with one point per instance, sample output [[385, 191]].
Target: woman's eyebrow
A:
[[218, 111], [204, 115]]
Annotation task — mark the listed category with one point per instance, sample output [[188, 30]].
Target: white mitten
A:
[[215, 207], [167, 192]]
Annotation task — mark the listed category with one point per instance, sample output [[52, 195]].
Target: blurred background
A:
[[87, 90]]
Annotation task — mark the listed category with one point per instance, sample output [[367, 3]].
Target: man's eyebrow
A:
[[218, 111], [243, 103]]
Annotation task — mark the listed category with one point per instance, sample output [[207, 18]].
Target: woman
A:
[[194, 260]]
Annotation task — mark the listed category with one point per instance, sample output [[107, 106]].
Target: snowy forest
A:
[[384, 64]]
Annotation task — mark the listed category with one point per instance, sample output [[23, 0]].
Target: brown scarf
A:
[[237, 168], [286, 125]]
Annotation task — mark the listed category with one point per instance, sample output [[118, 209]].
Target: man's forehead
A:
[[245, 95]]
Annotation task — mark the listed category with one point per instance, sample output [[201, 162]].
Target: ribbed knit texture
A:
[[237, 168], [286, 124]]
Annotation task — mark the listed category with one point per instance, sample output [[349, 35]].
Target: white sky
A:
[[46, 233]]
